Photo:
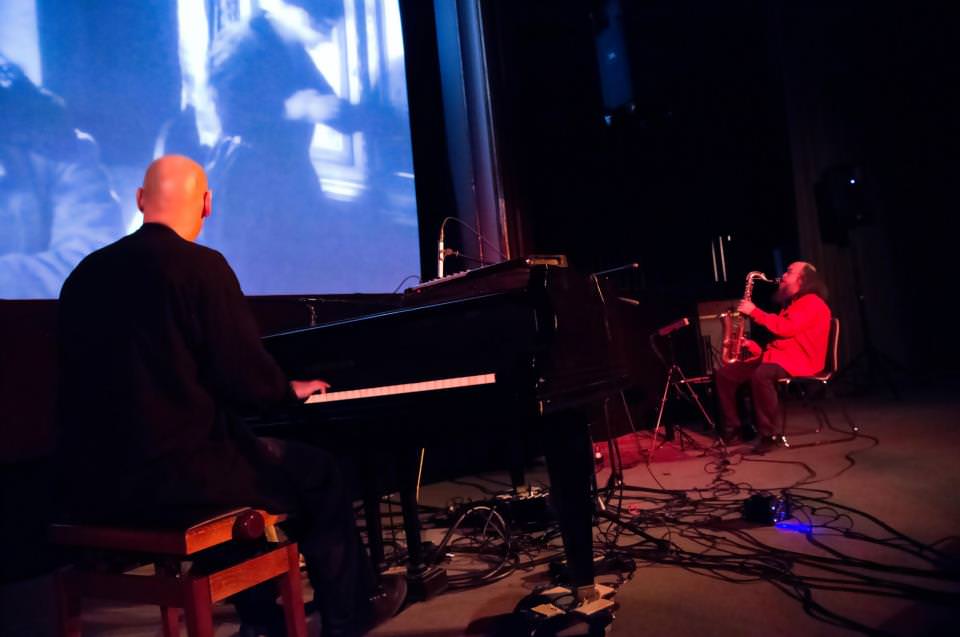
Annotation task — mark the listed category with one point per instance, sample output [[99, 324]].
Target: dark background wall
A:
[[740, 109], [876, 91], [703, 152]]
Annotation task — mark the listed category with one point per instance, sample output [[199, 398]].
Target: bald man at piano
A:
[[158, 353]]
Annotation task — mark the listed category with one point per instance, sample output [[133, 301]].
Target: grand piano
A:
[[524, 343]]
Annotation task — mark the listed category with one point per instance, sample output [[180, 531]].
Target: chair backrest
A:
[[832, 363]]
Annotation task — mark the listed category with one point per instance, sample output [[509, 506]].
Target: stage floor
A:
[[721, 575]]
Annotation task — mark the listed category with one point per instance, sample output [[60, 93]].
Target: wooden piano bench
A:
[[106, 555]]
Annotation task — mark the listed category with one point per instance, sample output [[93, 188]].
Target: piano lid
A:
[[488, 279], [553, 260]]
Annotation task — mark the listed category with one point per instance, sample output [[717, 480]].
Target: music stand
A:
[[678, 382]]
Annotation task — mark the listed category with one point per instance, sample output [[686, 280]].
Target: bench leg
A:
[[169, 615], [69, 606], [291, 592], [198, 606]]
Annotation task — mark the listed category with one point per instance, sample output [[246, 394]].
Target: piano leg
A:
[[372, 488], [570, 464], [424, 581]]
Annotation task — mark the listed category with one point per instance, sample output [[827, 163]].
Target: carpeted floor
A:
[[856, 554]]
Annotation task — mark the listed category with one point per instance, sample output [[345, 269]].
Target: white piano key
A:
[[404, 388]]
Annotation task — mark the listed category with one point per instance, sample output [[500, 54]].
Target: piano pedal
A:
[[558, 610]]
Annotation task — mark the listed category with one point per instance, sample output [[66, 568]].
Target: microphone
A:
[[673, 327], [628, 300], [440, 254]]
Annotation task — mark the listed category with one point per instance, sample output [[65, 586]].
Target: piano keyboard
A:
[[404, 388]]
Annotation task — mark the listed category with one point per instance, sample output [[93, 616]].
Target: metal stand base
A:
[[680, 384]]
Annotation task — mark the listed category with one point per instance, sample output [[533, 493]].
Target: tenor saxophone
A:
[[734, 324]]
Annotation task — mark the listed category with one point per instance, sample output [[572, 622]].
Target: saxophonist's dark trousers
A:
[[763, 385]]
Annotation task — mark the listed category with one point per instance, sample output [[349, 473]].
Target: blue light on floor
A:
[[796, 527]]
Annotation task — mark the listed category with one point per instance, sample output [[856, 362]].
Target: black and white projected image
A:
[[297, 109]]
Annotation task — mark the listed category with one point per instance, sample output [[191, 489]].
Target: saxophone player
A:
[[801, 331]]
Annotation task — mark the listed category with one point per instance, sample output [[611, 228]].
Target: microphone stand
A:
[[629, 266], [674, 381], [481, 241], [616, 481]]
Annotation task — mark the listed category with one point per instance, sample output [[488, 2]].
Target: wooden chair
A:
[[818, 382], [172, 587]]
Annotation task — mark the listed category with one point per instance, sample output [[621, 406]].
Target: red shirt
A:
[[802, 330]]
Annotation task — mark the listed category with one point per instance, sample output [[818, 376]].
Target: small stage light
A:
[[766, 508]]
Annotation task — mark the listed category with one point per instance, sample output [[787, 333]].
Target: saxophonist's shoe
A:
[[764, 444], [730, 437]]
